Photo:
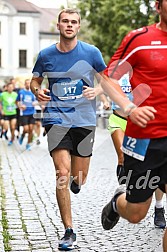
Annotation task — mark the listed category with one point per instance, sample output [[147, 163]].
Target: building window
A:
[[22, 58], [22, 28], [0, 58]]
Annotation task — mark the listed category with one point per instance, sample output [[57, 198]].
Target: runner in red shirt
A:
[[143, 53]]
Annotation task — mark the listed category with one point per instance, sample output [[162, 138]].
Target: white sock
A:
[[159, 203]]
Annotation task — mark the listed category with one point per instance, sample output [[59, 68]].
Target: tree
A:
[[111, 20]]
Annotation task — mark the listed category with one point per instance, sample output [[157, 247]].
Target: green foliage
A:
[[110, 20], [4, 221]]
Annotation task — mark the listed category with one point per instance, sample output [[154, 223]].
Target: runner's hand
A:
[[142, 115], [89, 93], [42, 95], [106, 105]]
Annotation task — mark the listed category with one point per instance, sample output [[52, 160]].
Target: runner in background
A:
[[26, 103], [8, 111]]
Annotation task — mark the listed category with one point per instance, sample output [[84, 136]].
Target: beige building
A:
[[25, 29]]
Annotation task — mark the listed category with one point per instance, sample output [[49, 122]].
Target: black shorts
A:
[[9, 117], [38, 115], [144, 177], [27, 120], [1, 117], [79, 141]]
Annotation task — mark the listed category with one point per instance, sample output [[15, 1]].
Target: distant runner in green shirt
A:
[[8, 100]]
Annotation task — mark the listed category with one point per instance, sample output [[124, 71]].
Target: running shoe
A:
[[21, 140], [10, 143], [74, 187], [68, 242], [159, 218], [109, 218], [28, 147]]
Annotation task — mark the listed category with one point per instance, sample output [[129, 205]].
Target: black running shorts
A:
[[26, 120], [9, 117], [79, 141], [144, 177]]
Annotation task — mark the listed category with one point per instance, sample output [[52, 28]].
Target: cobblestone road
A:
[[30, 219]]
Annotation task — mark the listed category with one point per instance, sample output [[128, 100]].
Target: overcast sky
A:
[[49, 3]]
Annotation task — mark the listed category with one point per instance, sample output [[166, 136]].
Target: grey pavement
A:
[[30, 219]]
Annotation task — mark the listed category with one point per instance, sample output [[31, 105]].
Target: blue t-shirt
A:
[[27, 98], [67, 73]]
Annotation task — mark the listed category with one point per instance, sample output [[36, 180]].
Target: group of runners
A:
[[69, 116], [17, 109]]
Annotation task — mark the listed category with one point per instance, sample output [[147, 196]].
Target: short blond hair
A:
[[69, 11]]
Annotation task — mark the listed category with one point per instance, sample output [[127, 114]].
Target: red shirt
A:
[[145, 49]]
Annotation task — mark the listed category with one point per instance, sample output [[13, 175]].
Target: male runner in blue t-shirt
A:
[[70, 113], [69, 118], [26, 102]]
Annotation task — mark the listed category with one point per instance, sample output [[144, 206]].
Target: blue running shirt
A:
[[27, 98], [67, 73]]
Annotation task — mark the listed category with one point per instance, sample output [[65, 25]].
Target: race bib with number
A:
[[10, 108], [135, 147], [68, 90]]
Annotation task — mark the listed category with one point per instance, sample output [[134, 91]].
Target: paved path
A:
[[30, 216]]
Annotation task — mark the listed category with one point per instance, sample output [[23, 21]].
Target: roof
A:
[[47, 19], [22, 5], [48, 16]]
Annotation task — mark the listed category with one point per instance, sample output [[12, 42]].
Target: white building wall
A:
[[45, 42], [4, 41], [11, 41], [28, 42]]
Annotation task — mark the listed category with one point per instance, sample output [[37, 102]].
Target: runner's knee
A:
[[135, 218], [136, 215], [63, 172]]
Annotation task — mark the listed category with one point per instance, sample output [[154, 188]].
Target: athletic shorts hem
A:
[[79, 141]]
